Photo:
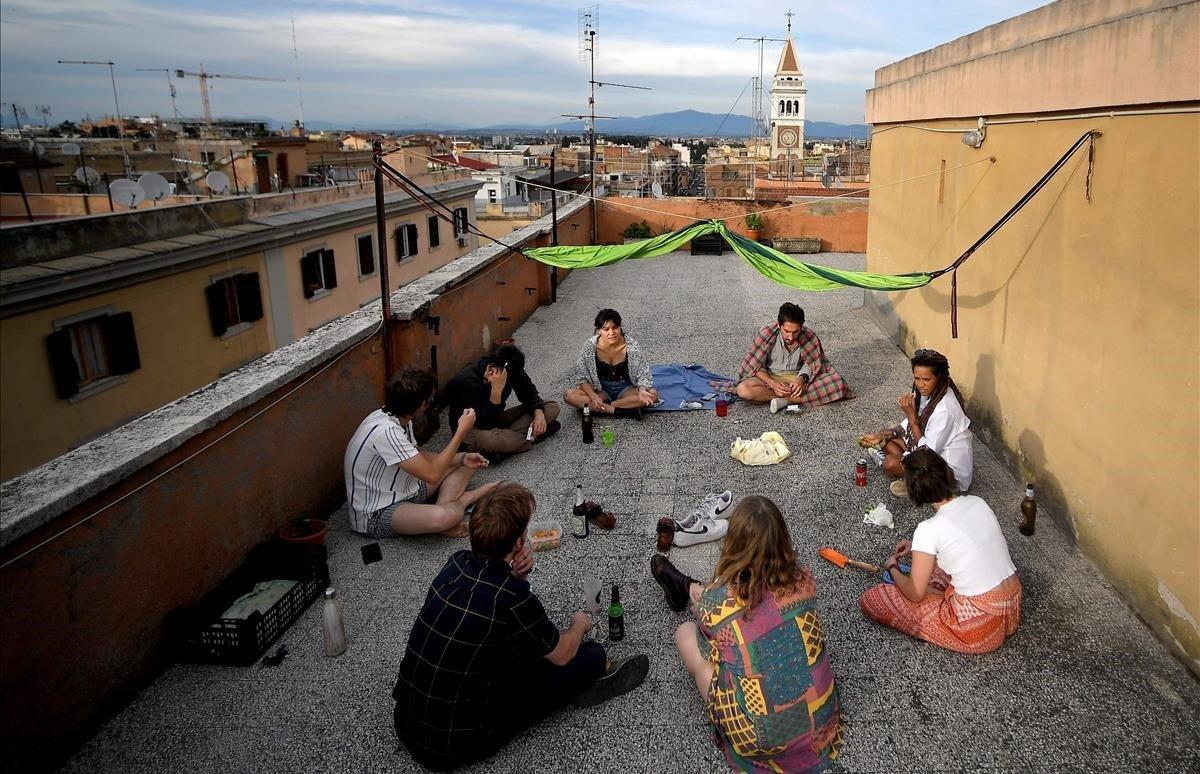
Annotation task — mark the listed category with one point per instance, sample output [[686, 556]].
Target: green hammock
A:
[[771, 263]]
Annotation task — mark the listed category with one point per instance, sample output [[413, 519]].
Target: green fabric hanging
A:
[[769, 262]]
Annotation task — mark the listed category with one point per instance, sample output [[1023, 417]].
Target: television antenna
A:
[[758, 119], [44, 112], [170, 85], [204, 77], [112, 75], [589, 22]]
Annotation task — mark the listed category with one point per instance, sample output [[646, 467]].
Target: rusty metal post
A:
[[384, 285], [553, 227]]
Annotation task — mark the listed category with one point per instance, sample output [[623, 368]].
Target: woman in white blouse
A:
[[934, 419]]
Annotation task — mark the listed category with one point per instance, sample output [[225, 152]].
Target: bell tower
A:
[[787, 113]]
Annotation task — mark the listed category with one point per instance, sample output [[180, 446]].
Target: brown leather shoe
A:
[[603, 520], [666, 533], [675, 584]]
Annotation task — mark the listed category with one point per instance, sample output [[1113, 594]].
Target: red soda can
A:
[[860, 473]]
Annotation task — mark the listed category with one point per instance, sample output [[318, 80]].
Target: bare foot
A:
[[457, 531]]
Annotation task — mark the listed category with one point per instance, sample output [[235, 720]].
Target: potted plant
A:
[[636, 232], [304, 530], [754, 224]]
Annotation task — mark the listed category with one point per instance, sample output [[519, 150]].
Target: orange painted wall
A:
[[841, 224]]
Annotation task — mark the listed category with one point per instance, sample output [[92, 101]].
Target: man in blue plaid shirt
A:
[[483, 661]]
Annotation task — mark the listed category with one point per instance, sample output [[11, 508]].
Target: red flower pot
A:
[[304, 531]]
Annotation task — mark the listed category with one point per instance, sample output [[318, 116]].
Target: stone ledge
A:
[[36, 497]]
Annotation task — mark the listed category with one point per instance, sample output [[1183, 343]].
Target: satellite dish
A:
[[217, 182], [656, 189], [39, 150], [69, 149], [155, 186], [126, 193], [87, 176]]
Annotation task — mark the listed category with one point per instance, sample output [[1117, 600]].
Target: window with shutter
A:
[[410, 232], [435, 238], [318, 272], [406, 241], [87, 352], [460, 221], [329, 269]]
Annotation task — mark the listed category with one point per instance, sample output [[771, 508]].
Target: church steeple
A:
[[787, 112]]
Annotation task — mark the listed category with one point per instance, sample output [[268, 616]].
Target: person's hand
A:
[[496, 377], [871, 439], [903, 548], [521, 562], [781, 390], [597, 403], [891, 564], [645, 396], [475, 460], [798, 387], [581, 621], [908, 405], [467, 421]]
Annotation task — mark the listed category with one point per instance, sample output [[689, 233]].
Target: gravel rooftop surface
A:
[[1082, 686]]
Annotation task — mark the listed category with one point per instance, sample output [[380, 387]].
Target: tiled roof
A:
[[465, 161]]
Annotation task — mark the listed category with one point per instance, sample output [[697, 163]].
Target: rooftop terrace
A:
[[1083, 685]]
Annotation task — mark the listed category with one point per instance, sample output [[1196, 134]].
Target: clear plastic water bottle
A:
[[335, 629]]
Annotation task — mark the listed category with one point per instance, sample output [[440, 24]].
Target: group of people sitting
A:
[[484, 661]]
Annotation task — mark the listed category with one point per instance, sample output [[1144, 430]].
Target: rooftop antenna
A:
[[589, 23], [120, 121], [296, 56], [170, 85], [757, 119], [44, 112]]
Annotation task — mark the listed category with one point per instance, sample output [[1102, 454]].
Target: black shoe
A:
[[674, 583], [552, 427], [621, 678]]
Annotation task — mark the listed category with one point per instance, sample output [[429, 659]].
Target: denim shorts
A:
[[614, 389], [379, 523]]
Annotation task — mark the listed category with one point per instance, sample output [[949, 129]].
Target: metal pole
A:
[[233, 169], [592, 133], [120, 122], [553, 228], [381, 236], [24, 198]]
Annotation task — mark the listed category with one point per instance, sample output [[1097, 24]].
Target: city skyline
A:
[[466, 63]]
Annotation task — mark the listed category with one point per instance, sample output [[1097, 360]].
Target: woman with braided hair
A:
[[962, 592], [933, 419]]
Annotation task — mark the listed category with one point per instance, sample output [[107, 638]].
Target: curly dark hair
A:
[[936, 362]]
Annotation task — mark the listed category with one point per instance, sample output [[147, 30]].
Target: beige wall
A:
[[353, 291], [1078, 328], [175, 344]]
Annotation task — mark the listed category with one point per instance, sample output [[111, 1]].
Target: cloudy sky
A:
[[468, 62]]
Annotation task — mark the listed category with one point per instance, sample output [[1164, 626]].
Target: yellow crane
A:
[[204, 102]]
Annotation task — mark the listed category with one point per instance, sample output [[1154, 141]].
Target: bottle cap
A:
[[331, 593], [587, 410]]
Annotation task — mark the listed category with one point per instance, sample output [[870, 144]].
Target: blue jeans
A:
[[614, 389]]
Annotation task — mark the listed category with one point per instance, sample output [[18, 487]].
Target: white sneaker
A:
[[704, 531], [715, 505], [778, 404]]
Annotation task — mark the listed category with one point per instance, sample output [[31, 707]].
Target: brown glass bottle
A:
[[1028, 511]]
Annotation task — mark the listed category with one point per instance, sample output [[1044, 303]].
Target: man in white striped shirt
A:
[[394, 488]]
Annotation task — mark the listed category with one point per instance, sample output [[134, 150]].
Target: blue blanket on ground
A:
[[678, 383]]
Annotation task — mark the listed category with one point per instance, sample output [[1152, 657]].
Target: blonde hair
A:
[[757, 556]]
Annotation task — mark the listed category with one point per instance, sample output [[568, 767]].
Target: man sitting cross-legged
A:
[[392, 487], [786, 366], [483, 662], [485, 385]]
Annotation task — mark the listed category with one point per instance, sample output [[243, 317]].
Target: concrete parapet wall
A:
[[840, 223], [101, 544]]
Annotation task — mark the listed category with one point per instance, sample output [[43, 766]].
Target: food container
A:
[[545, 535]]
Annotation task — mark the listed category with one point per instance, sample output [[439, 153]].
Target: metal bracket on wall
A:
[[434, 324], [501, 282], [530, 291], [503, 319]]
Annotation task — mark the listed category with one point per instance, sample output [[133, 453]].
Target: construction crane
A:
[[204, 102]]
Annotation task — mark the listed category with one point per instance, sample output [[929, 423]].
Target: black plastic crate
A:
[[201, 635], [708, 244]]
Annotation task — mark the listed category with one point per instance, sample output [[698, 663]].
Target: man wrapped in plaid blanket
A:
[[787, 366]]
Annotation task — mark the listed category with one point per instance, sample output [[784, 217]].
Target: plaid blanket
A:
[[826, 385], [975, 624]]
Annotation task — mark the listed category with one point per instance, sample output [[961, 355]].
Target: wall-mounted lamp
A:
[[975, 137]]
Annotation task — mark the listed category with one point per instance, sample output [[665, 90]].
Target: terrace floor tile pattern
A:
[[1082, 686]]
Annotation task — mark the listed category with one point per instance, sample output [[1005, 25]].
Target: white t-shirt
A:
[[948, 432], [966, 539], [374, 478]]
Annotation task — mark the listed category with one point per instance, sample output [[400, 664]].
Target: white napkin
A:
[[880, 516]]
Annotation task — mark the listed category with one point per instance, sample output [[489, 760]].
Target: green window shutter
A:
[[249, 296], [215, 295], [121, 341]]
